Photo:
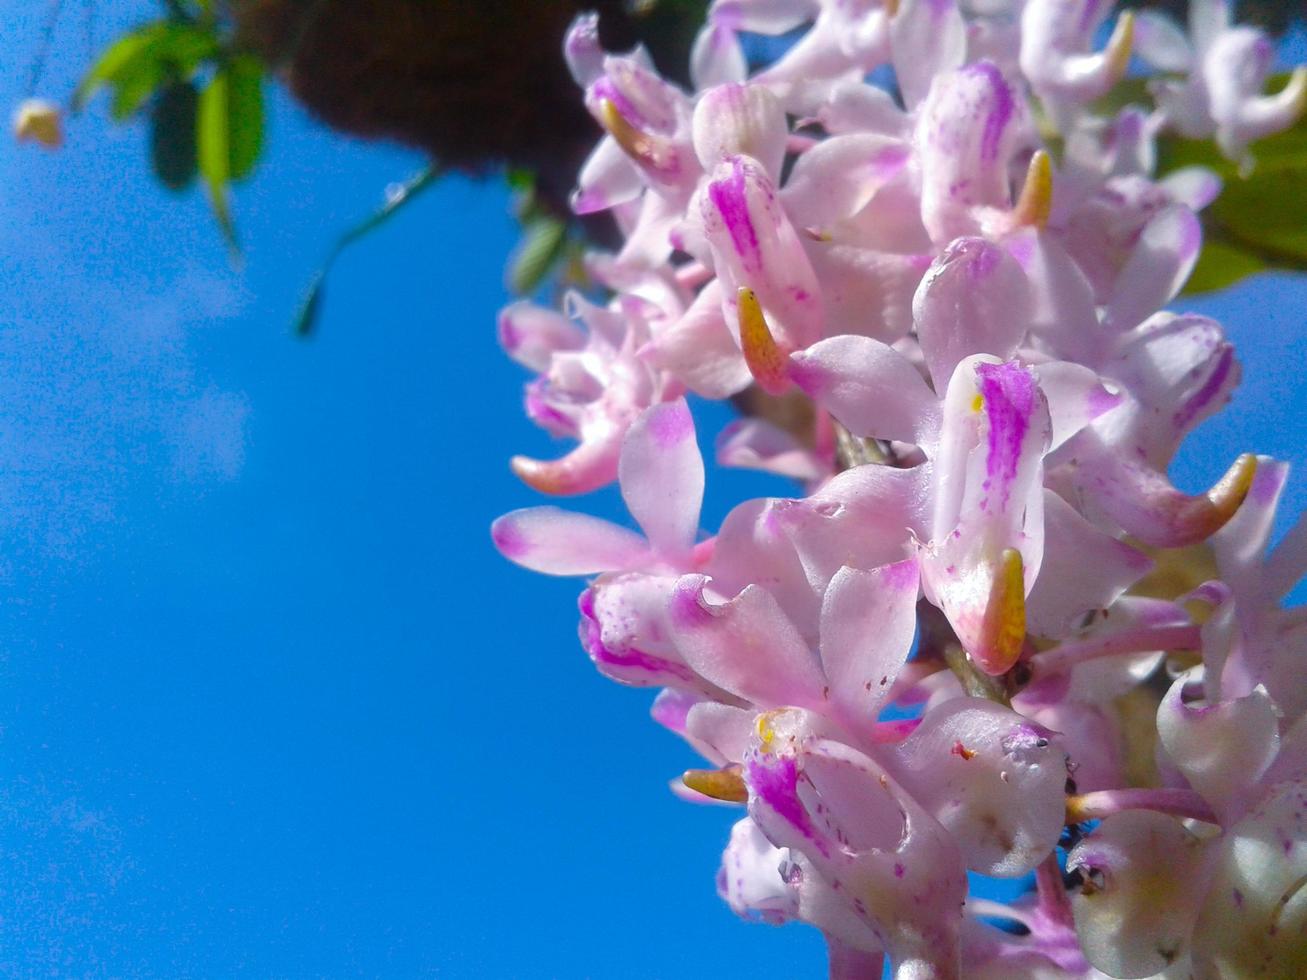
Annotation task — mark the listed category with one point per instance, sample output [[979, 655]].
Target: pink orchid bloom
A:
[[942, 658], [1155, 895], [591, 389], [1226, 67], [986, 438], [1055, 51]]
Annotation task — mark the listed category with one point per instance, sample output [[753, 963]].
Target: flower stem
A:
[[1139, 640], [1104, 803]]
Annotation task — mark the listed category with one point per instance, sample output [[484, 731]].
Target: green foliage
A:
[[214, 129], [244, 113], [138, 63], [396, 198], [213, 145], [172, 135], [543, 243]]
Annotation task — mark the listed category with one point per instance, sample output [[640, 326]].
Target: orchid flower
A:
[[937, 280], [1225, 68]]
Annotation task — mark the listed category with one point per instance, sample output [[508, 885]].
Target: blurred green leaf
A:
[[132, 90], [140, 63], [1267, 213], [213, 147], [245, 113], [1221, 264], [396, 197], [116, 61], [543, 241], [172, 135]]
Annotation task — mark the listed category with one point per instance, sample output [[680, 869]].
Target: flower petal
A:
[[896, 867], [974, 299], [995, 781], [1076, 396], [756, 444], [561, 542], [624, 630], [1145, 879], [755, 245], [1161, 262], [530, 334], [661, 474], [1255, 918], [700, 350], [740, 120], [870, 387], [836, 178], [750, 881], [868, 618], [929, 38], [716, 57], [1222, 749], [1083, 569], [745, 645]]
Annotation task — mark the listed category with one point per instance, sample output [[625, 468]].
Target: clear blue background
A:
[[270, 704]]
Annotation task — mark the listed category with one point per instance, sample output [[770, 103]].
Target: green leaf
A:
[[137, 63], [245, 113], [396, 198], [542, 244], [229, 133], [117, 61], [1267, 213], [134, 87], [213, 148], [172, 135]]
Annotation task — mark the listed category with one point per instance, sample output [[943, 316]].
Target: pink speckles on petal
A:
[[729, 197], [1010, 394], [1002, 107], [671, 424]]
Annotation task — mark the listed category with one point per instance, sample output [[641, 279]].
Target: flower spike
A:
[[1143, 502], [1207, 513], [765, 359], [869, 240], [580, 471]]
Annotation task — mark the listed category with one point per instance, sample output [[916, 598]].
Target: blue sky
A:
[[269, 701]]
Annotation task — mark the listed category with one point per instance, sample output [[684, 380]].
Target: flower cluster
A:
[[992, 636]]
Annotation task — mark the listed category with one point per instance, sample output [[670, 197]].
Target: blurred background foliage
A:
[[475, 86]]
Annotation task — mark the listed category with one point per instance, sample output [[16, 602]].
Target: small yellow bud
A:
[[39, 121]]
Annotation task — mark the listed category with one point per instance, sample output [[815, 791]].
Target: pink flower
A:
[[938, 660], [1226, 67]]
